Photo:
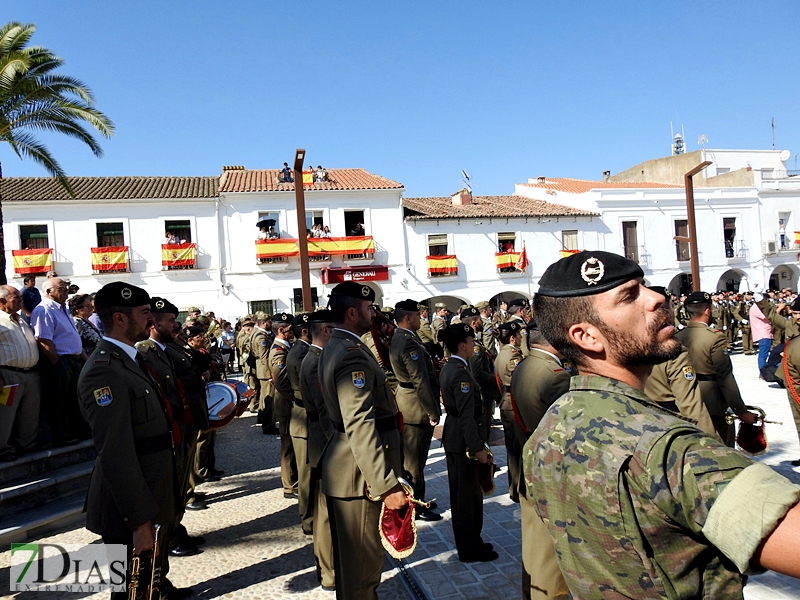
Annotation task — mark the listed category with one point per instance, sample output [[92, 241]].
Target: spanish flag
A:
[[505, 260], [276, 248], [797, 237], [566, 253], [27, 262], [341, 245], [7, 394], [111, 258], [446, 264], [308, 178], [178, 255]]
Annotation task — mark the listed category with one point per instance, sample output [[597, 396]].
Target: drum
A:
[[245, 393], [221, 399]]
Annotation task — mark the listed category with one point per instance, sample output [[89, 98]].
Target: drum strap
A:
[[173, 425], [790, 383]]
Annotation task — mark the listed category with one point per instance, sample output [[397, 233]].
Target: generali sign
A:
[[340, 275]]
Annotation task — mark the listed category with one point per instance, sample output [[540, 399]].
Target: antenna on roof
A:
[[466, 180], [773, 133], [678, 145], [702, 140]]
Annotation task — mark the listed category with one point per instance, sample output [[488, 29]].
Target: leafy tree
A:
[[34, 98]]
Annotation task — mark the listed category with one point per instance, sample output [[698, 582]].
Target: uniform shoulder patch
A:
[[359, 380], [263, 343], [103, 396], [477, 349], [414, 355], [465, 387], [688, 373]]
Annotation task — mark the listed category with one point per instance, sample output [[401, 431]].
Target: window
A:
[[682, 248], [354, 222], [569, 239], [298, 300], [275, 216], [181, 229], [110, 234], [314, 217], [630, 240], [729, 234], [32, 237], [265, 306], [437, 244], [783, 225], [506, 242], [723, 170]]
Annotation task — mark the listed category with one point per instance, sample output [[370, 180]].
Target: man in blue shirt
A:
[[30, 296]]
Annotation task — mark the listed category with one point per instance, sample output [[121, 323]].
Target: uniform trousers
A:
[[266, 409], [288, 459], [466, 504], [184, 465], [305, 503], [541, 577], [205, 459], [747, 339], [19, 423], [416, 444], [323, 542], [514, 438], [357, 550]]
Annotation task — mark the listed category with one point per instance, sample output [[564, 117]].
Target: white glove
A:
[[724, 328], [745, 321], [681, 326]]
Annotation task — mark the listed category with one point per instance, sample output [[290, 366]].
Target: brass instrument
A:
[[751, 438], [138, 563], [731, 416]]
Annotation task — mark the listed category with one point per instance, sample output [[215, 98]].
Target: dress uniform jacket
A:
[[299, 422], [298, 429], [418, 387], [524, 343], [320, 429], [487, 336], [284, 393], [158, 360], [505, 364], [134, 479], [260, 344], [194, 388], [425, 332], [483, 371], [674, 384], [464, 426], [391, 379]]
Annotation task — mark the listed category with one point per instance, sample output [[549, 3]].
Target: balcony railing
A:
[[319, 249], [32, 262], [445, 265], [735, 249], [779, 174], [110, 259], [638, 254], [178, 256], [275, 251], [787, 240]]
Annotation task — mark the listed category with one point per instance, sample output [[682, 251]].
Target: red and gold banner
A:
[[337, 246], [505, 260], [566, 253], [276, 248], [178, 255], [308, 178], [446, 264], [111, 258], [27, 262], [797, 237]]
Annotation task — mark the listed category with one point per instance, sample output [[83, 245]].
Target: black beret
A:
[[354, 290], [194, 330], [119, 293], [587, 273], [512, 326], [407, 305], [661, 290], [518, 302], [455, 334], [469, 312], [300, 320], [162, 305], [698, 298], [321, 316], [532, 325], [795, 305], [283, 317]]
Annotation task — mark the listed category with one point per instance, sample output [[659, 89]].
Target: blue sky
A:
[[417, 91]]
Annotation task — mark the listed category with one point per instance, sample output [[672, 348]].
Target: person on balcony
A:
[[172, 238], [326, 232], [358, 231], [272, 234]]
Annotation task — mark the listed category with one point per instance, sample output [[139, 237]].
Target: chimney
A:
[[606, 176], [541, 179], [233, 168], [461, 198]]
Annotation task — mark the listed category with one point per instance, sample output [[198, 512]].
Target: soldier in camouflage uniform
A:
[[742, 314], [438, 323], [639, 502], [488, 334]]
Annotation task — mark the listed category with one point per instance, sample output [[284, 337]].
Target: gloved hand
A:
[[724, 328], [745, 321]]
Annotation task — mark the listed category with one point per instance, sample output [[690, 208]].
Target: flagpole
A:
[[527, 271]]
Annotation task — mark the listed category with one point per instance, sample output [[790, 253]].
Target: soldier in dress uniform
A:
[[298, 424], [671, 510], [742, 313], [417, 398], [439, 322], [536, 384], [708, 354], [260, 344], [425, 333], [283, 395], [488, 335], [378, 340], [501, 314], [248, 367], [482, 368], [364, 458], [457, 317], [134, 484], [518, 311], [320, 431], [507, 361], [464, 437]]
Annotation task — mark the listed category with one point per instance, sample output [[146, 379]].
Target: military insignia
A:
[[358, 379], [477, 349], [592, 270], [688, 373], [126, 293], [159, 304], [281, 365], [103, 396], [364, 291], [414, 355], [465, 387], [515, 361]]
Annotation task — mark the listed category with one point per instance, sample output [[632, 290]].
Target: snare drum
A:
[[245, 393], [221, 399]]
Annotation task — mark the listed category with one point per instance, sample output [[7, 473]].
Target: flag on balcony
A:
[[797, 237], [27, 262], [112, 258], [506, 260], [308, 178], [276, 248], [341, 245], [446, 264], [178, 255], [522, 259], [566, 253]]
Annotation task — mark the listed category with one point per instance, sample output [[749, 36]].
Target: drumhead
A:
[[243, 389], [221, 398]]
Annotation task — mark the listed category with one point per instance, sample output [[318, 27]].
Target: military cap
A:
[[795, 305], [162, 305], [321, 316], [192, 309], [193, 331], [532, 325], [248, 322], [354, 290], [518, 302], [203, 319], [748, 293], [469, 312], [261, 316], [463, 306], [455, 334], [586, 273], [661, 290], [407, 305], [512, 326], [300, 320], [376, 307], [440, 305], [698, 298], [282, 317], [482, 304], [119, 293], [387, 310]]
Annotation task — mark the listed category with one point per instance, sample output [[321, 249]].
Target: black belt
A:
[[705, 377], [405, 385], [454, 412], [17, 369], [154, 443], [383, 425], [72, 356]]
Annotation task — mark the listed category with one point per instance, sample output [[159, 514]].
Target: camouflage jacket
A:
[[642, 504]]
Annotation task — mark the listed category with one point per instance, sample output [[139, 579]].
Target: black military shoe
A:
[[484, 556], [196, 505], [184, 550], [427, 514]]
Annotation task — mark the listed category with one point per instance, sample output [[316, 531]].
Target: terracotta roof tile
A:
[[266, 180], [27, 189], [580, 186], [487, 206]]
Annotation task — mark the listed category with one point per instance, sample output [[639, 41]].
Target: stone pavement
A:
[[255, 548]]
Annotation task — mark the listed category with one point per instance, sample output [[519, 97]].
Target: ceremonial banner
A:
[[341, 245], [112, 258], [178, 255], [522, 260], [446, 264], [276, 248], [506, 260], [566, 253], [28, 262], [308, 178]]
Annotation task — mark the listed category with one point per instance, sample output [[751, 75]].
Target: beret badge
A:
[[592, 270], [126, 293]]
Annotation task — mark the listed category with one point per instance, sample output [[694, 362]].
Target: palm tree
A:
[[35, 99]]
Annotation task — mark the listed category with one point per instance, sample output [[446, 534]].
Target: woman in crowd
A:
[[226, 346], [81, 308]]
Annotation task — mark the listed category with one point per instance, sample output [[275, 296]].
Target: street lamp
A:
[[692, 238], [302, 239]]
